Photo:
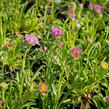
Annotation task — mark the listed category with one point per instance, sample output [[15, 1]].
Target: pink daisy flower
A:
[[14, 41], [54, 57], [90, 5], [69, 6], [107, 98], [100, 14], [60, 44], [31, 39], [56, 32], [78, 25], [80, 5], [43, 87], [97, 8], [69, 11], [90, 40], [45, 48], [9, 45], [18, 34], [73, 15], [75, 52], [1, 102]]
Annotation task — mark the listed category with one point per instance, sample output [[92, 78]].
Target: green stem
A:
[[45, 102], [24, 59], [3, 98], [59, 89], [2, 69], [2, 39], [52, 8]]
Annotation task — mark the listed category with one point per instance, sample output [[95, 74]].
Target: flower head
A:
[[69, 12], [1, 102], [4, 85], [101, 14], [14, 41], [78, 25], [90, 5], [45, 48], [90, 40], [9, 45], [107, 98], [56, 32], [97, 8], [75, 52], [43, 87], [73, 15], [80, 5], [70, 6], [18, 34], [54, 57], [104, 65], [31, 39], [60, 44], [50, 0]]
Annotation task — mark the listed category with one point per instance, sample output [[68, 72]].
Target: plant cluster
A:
[[54, 54]]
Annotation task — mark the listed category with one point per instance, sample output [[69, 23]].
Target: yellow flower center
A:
[[31, 40], [104, 65], [44, 88]]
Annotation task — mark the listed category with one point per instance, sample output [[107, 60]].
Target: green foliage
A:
[[23, 66]]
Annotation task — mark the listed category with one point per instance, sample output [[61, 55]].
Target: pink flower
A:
[[73, 15], [69, 6], [69, 12], [61, 44], [100, 14], [78, 25], [45, 48], [75, 52], [90, 40], [31, 39], [54, 57], [14, 41], [9, 45], [90, 5], [1, 102], [43, 87], [18, 34], [107, 98], [56, 32], [97, 8], [80, 5]]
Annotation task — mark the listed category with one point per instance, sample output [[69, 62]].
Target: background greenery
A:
[[80, 83]]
